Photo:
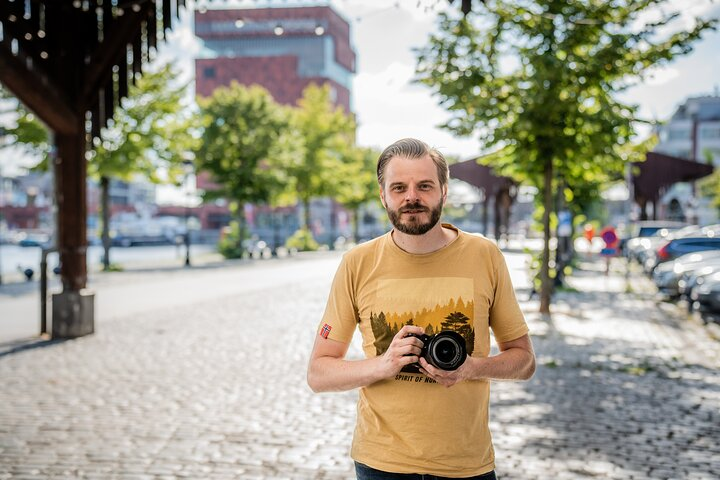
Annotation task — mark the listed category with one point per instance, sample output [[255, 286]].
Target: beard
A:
[[413, 225]]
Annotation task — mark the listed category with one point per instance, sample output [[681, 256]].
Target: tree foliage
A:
[[356, 181], [536, 80], [246, 146], [150, 135], [25, 130], [326, 132]]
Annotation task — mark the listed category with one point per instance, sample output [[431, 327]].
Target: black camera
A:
[[445, 350]]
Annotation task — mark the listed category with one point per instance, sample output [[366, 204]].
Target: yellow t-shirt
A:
[[410, 424]]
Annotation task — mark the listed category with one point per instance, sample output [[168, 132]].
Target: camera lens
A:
[[447, 350]]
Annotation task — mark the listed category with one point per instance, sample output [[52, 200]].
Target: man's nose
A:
[[411, 194]]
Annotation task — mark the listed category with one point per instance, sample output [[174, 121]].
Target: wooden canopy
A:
[[70, 62], [480, 176], [500, 189], [653, 177]]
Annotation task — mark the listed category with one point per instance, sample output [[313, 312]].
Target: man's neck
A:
[[435, 239]]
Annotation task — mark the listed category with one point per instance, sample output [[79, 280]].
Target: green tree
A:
[[244, 143], [27, 131], [536, 80], [326, 133], [356, 182], [150, 136]]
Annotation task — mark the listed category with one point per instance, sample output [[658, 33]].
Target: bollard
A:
[[43, 289]]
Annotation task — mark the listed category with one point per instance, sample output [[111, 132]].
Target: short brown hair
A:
[[412, 148]]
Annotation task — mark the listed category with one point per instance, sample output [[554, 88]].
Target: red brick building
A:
[[283, 49]]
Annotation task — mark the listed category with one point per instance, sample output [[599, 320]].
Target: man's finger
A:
[[408, 359], [433, 371], [412, 348], [407, 329]]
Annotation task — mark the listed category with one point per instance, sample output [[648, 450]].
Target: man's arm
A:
[[516, 361], [329, 371]]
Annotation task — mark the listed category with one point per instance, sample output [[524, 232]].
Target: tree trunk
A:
[[485, 209], [105, 213], [306, 205], [241, 230], [333, 224], [545, 281], [496, 212], [276, 231], [356, 224]]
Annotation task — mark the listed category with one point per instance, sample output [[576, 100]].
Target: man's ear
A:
[[445, 192], [382, 197]]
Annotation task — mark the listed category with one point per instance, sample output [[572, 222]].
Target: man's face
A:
[[412, 195]]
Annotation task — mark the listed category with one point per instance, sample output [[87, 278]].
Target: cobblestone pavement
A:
[[626, 388]]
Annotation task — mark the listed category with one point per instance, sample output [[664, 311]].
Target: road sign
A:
[[609, 236]]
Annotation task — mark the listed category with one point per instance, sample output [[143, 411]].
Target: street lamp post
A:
[[188, 165], [2, 206], [2, 210]]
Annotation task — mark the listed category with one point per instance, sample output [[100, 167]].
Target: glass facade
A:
[[316, 54]]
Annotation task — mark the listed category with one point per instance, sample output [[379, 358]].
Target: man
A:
[[422, 277]]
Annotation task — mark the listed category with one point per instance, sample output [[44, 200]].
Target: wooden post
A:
[[73, 309]]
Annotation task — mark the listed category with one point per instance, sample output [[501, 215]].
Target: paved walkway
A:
[[626, 388]]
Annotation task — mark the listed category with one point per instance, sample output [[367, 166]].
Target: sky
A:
[[389, 106]]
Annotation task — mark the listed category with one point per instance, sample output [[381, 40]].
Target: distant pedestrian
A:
[[422, 278]]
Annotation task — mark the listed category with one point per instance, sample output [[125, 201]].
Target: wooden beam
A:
[[43, 99], [111, 51]]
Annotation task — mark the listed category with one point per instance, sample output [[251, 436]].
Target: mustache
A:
[[414, 206]]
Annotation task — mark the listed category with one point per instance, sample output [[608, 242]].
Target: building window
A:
[[710, 132], [679, 134], [209, 72]]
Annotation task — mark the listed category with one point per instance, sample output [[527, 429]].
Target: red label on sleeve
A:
[[325, 331]]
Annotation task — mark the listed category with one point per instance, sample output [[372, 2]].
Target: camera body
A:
[[445, 350]]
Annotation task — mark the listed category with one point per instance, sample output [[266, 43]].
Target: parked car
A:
[[706, 298], [690, 281], [639, 249], [129, 229], [639, 231], [34, 240], [686, 240], [667, 276]]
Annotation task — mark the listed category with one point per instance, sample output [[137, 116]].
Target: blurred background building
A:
[[692, 133], [283, 49]]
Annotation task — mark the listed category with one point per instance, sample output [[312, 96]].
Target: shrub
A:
[[230, 244], [302, 240]]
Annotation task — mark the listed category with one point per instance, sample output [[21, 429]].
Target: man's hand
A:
[[516, 361], [444, 377], [403, 350]]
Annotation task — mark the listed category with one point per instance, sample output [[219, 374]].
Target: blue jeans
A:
[[364, 472]]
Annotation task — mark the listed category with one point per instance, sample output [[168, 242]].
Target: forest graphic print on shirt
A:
[[436, 304]]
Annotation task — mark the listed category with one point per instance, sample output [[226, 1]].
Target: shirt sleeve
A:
[[506, 319], [341, 316]]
